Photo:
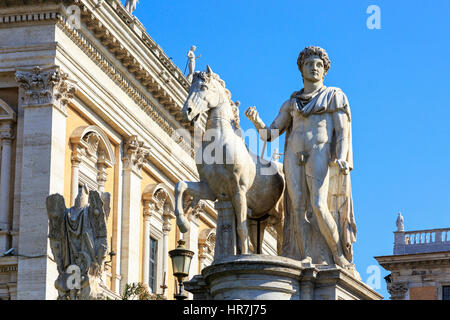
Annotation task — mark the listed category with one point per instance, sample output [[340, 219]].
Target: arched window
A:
[[92, 154], [159, 205]]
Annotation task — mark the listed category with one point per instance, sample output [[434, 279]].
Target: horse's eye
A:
[[204, 87]]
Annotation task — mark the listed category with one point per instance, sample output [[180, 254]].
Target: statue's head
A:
[[313, 63], [83, 196], [207, 91], [193, 48]]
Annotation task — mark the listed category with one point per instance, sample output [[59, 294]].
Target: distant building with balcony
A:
[[420, 265]]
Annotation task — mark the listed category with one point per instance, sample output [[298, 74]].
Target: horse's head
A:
[[207, 91]]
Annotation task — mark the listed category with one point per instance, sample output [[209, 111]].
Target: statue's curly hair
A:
[[314, 51]]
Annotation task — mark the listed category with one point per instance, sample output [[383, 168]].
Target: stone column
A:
[[6, 137], [43, 98], [135, 155], [149, 207]]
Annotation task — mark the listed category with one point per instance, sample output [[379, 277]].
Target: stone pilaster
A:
[[135, 154], [43, 98], [6, 140]]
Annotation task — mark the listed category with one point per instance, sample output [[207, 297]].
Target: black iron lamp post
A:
[[181, 262]]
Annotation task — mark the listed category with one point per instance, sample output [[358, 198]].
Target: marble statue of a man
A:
[[319, 223], [130, 5]]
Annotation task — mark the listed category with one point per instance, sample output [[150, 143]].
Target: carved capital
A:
[[136, 154], [77, 155], [48, 86], [167, 226], [397, 290], [194, 208], [7, 131], [149, 208]]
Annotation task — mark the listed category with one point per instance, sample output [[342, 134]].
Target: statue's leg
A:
[[296, 188], [239, 200], [252, 226], [199, 190], [318, 183]]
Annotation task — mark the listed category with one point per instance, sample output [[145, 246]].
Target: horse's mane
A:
[[207, 77]]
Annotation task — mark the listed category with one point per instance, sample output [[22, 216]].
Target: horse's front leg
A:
[[239, 200], [199, 190]]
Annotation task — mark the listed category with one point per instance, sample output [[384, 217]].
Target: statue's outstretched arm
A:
[[278, 126]]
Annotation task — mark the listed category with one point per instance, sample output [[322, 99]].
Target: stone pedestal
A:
[[262, 277]]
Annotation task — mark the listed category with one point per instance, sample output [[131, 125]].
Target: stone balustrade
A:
[[420, 241]]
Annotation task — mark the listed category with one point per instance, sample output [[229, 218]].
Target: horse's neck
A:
[[220, 117]]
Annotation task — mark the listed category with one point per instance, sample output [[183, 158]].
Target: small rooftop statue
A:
[[400, 225], [191, 58], [130, 5]]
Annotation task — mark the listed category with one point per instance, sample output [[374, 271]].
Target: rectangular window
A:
[[446, 293], [153, 264]]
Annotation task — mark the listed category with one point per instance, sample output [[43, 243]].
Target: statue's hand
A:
[[343, 166], [252, 114]]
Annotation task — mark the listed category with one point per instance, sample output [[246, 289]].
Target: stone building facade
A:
[[87, 97], [420, 265]]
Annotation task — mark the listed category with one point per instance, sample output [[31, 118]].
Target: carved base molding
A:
[[263, 277]]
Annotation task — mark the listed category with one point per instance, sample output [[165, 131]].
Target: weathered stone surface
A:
[[78, 241]]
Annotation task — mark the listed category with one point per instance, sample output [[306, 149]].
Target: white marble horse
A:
[[231, 172]]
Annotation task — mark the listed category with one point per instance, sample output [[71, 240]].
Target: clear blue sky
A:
[[396, 80]]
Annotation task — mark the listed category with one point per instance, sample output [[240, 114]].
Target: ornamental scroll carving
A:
[[136, 153]]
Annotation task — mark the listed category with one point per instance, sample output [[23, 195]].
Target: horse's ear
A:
[[208, 69]]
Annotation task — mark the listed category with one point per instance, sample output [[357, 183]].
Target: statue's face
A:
[[313, 69]]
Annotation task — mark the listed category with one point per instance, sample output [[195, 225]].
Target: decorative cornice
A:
[[156, 86], [407, 261], [48, 86], [132, 91], [157, 51]]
